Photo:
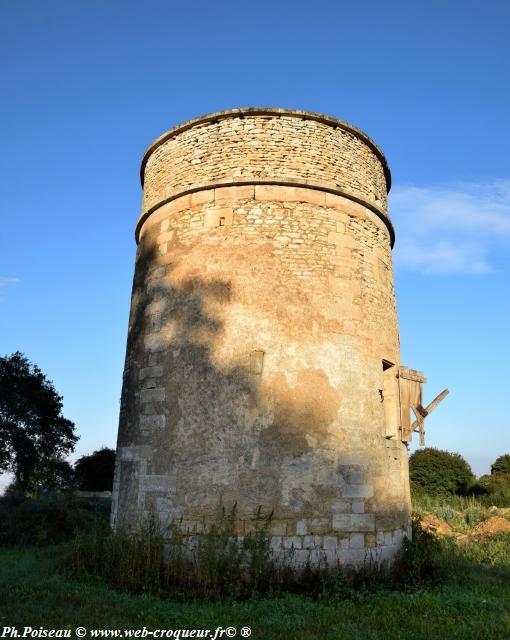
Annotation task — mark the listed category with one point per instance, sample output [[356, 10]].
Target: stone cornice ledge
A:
[[287, 182], [267, 111]]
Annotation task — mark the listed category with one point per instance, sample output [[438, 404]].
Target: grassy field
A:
[[471, 602]]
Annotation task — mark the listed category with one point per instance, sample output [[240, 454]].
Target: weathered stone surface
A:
[[358, 491], [263, 307], [354, 522]]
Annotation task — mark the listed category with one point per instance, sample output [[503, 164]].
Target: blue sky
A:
[[87, 85]]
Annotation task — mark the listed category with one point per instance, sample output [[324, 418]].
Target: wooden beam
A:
[[411, 374], [430, 408], [421, 427]]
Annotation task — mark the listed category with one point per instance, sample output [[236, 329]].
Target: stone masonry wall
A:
[[277, 146], [261, 314]]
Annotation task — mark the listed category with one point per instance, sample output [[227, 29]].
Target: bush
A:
[[95, 471], [437, 472], [50, 519], [501, 465], [497, 487]]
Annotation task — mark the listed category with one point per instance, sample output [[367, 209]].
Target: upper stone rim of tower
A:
[[267, 111]]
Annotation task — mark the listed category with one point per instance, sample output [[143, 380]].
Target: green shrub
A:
[[95, 471], [497, 487], [501, 465], [50, 519], [437, 472]]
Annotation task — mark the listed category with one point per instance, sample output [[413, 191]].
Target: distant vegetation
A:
[[434, 472], [95, 471], [34, 435]]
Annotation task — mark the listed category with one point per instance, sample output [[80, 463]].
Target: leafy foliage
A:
[[34, 435], [498, 487], [501, 465], [437, 472], [95, 471], [50, 519]]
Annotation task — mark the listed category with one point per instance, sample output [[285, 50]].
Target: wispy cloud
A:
[[450, 228], [5, 282]]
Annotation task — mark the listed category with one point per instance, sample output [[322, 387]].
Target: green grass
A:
[[470, 601], [473, 603]]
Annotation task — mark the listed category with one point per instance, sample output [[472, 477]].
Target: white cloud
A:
[[5, 282], [450, 228]]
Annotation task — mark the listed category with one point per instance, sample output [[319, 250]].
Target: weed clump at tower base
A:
[[220, 564], [217, 563]]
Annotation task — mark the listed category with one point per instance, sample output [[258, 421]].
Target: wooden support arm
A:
[[430, 408]]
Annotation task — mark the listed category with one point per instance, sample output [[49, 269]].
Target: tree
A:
[[501, 465], [439, 472], [95, 471], [34, 435]]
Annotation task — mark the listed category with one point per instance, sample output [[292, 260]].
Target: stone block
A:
[[342, 241], [179, 204], [311, 196], [165, 237], [354, 522], [352, 557], [159, 483], [322, 557], [151, 372], [275, 542], [398, 536], [341, 506], [213, 217], [232, 194], [357, 541], [154, 421], [152, 395], [135, 453], [278, 528], [318, 526], [358, 491], [269, 192], [312, 542], [358, 506], [330, 542], [292, 542], [202, 197], [301, 527], [300, 557], [343, 542]]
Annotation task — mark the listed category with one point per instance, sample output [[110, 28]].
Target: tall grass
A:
[[217, 563]]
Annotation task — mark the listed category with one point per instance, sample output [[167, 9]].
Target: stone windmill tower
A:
[[262, 365]]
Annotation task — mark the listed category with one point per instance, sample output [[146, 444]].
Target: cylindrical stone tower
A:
[[263, 326]]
